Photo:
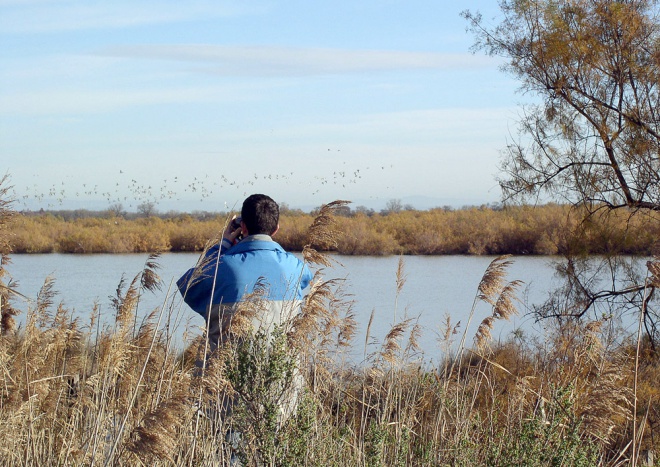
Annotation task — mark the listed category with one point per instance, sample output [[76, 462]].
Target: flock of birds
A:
[[129, 191]]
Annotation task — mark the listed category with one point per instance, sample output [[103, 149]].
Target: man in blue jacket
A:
[[232, 273], [229, 273]]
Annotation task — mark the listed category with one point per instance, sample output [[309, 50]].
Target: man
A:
[[228, 274], [231, 273]]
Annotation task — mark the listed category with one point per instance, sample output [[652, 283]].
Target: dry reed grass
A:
[[125, 395]]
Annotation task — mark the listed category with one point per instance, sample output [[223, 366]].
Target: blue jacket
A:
[[256, 258]]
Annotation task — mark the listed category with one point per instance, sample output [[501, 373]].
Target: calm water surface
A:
[[435, 286]]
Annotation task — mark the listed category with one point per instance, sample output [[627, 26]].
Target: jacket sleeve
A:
[[306, 278], [196, 284]]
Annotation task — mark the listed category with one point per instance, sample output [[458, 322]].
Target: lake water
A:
[[435, 286]]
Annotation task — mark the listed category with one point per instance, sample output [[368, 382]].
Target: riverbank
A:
[[541, 230]]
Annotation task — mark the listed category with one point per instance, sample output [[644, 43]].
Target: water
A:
[[435, 286]]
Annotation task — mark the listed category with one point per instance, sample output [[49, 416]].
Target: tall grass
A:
[[121, 393]]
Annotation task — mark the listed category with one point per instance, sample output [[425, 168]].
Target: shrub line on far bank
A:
[[540, 230]]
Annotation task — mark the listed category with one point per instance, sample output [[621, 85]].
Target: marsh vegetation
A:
[[487, 230], [77, 393]]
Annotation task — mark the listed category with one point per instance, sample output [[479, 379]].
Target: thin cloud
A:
[[28, 17], [63, 102], [281, 61]]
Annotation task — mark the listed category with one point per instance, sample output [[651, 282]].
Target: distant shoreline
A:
[[521, 230]]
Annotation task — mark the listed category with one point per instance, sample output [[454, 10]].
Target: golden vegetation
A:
[[542, 230], [123, 393]]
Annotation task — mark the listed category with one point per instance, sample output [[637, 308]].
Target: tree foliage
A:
[[593, 138], [595, 64]]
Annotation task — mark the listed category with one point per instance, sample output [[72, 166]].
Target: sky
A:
[[195, 105]]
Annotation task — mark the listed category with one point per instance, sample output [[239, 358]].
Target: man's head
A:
[[260, 214]]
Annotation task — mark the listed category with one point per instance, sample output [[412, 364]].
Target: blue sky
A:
[[193, 105]]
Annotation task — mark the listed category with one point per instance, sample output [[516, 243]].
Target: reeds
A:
[[539, 230], [121, 392]]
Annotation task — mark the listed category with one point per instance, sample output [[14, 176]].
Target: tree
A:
[[147, 209], [365, 210], [343, 211], [393, 206], [593, 139], [116, 210], [595, 64]]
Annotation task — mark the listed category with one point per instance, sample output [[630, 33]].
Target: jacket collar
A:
[[256, 242], [257, 238]]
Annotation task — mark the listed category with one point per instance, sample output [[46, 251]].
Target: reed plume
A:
[[157, 437], [307, 325], [323, 233], [401, 276], [149, 278], [392, 343], [124, 303], [368, 333], [413, 346], [484, 331], [503, 309], [489, 290], [491, 283], [347, 327], [400, 282], [45, 300], [448, 329]]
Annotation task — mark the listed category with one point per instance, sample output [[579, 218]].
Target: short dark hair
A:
[[261, 214]]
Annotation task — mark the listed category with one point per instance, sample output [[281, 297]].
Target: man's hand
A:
[[232, 233]]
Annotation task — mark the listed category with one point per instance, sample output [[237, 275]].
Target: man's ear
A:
[[244, 229], [276, 229]]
